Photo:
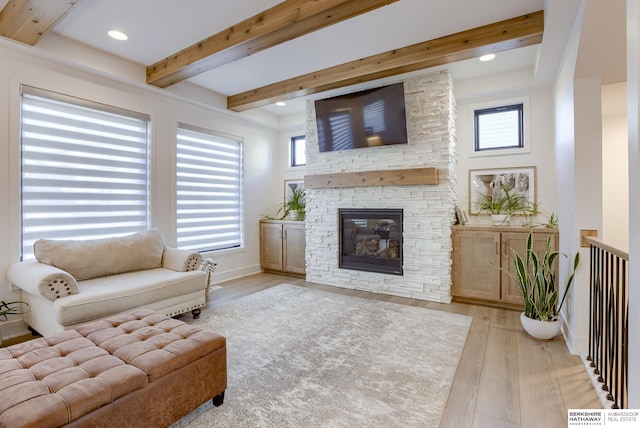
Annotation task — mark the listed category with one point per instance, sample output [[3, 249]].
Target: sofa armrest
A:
[[180, 260], [40, 278]]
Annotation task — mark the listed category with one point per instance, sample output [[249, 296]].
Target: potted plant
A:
[[296, 204], [535, 275], [552, 221], [293, 208], [503, 204], [10, 308]]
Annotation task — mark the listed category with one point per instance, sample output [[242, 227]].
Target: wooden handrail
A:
[[599, 243]]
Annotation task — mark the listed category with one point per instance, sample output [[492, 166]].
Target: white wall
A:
[[508, 88], [588, 196], [497, 89], [633, 101], [615, 166], [576, 312], [25, 65], [283, 168]]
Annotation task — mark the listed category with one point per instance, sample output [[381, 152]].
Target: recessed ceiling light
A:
[[118, 35], [281, 104], [487, 57]]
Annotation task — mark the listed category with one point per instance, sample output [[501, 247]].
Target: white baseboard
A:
[[218, 277], [597, 386], [14, 328], [577, 345]]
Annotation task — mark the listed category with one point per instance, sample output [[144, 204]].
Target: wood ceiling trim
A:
[[281, 23], [512, 33], [28, 20]]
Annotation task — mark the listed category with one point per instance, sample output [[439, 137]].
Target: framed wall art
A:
[[291, 186], [491, 182]]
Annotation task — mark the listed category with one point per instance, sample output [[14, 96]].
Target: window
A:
[[499, 128], [298, 153], [209, 190], [84, 169]]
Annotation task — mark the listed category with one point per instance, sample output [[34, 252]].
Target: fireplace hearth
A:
[[371, 240]]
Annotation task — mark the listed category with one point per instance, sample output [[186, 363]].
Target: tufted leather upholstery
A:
[[52, 381]]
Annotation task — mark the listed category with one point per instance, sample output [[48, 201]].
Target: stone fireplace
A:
[[370, 240], [427, 209]]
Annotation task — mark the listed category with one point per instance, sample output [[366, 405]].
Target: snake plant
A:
[[535, 275]]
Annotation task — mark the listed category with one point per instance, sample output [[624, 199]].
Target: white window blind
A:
[[84, 169], [499, 128], [209, 190], [298, 151]]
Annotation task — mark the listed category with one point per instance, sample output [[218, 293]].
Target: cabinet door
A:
[[518, 241], [271, 246], [476, 261], [294, 248]]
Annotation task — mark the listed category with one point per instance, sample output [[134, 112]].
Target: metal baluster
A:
[[593, 274], [608, 324], [599, 314]]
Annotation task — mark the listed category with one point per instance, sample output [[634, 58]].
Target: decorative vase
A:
[[543, 330], [500, 219], [294, 215]]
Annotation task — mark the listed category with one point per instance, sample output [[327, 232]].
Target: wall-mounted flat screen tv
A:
[[375, 117]]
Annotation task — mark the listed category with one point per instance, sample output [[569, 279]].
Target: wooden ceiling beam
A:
[[279, 24], [28, 20], [512, 33]]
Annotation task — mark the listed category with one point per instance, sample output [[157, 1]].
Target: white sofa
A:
[[74, 282]]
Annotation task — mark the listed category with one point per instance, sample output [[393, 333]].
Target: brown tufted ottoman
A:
[[141, 369]]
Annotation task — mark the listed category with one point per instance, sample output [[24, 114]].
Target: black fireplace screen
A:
[[371, 240]]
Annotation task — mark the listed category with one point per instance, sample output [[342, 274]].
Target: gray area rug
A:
[[299, 357]]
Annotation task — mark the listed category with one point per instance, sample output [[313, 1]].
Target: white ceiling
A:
[[159, 28]]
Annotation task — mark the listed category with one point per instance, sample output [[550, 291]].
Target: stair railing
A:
[[609, 321]]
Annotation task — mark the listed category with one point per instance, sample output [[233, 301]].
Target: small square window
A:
[[499, 128], [298, 154]]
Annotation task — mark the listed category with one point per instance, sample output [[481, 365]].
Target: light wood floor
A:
[[504, 378]]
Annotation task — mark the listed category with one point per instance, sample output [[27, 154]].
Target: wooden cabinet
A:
[[478, 254], [282, 246]]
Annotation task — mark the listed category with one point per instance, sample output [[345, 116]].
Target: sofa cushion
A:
[[101, 297], [102, 257]]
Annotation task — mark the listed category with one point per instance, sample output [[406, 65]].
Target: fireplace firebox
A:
[[371, 240]]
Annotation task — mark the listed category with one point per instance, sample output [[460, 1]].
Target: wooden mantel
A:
[[397, 177]]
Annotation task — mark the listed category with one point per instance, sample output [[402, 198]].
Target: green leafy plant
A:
[[11, 308], [506, 204], [552, 221], [296, 202], [535, 275]]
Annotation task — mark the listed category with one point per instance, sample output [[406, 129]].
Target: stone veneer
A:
[[428, 209]]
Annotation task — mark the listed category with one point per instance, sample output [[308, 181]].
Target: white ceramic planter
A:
[[544, 330], [500, 219], [294, 215]]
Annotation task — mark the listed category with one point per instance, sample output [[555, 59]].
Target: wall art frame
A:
[[521, 180], [291, 186]]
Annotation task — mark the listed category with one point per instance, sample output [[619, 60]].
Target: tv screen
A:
[[375, 117]]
